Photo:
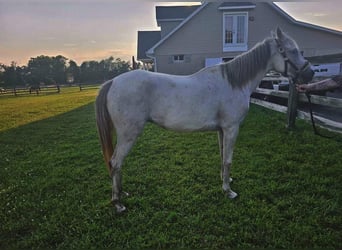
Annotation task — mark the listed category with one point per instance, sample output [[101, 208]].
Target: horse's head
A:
[[289, 61]]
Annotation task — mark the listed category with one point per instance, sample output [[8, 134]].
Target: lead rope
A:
[[313, 120]]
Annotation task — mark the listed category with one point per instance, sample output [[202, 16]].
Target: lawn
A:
[[55, 190]]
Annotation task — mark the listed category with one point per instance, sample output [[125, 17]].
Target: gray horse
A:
[[213, 99]]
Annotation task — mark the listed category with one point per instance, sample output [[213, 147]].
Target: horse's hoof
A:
[[119, 208], [231, 194]]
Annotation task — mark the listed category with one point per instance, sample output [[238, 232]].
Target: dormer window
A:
[[235, 31]]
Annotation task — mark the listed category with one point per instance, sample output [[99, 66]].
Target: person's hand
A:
[[302, 87]]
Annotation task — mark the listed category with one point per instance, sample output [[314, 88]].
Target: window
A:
[[235, 27], [178, 58]]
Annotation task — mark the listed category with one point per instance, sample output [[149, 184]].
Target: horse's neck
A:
[[257, 80], [245, 71], [248, 69]]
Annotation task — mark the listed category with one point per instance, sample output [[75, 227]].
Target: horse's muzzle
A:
[[305, 75]]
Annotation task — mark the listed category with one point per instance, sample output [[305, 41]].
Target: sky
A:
[[83, 30]]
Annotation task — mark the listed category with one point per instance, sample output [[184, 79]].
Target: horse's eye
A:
[[281, 50]]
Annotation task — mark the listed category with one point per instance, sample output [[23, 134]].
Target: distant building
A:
[[192, 37]]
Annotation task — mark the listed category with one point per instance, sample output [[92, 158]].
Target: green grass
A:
[[55, 191]]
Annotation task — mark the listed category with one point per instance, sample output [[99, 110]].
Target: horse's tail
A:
[[104, 123]]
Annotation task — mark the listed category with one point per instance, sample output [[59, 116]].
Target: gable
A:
[[260, 26]]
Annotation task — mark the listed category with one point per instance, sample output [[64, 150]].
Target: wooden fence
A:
[[31, 90], [53, 89], [315, 99]]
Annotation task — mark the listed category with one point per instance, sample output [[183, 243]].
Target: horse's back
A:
[[126, 99], [140, 86]]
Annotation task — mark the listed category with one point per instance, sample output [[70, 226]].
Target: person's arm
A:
[[327, 84]]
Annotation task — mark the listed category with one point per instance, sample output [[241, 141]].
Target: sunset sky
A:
[[96, 29]]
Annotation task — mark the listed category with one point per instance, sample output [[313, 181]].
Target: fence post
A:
[[134, 63], [292, 106]]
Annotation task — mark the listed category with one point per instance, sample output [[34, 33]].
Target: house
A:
[[192, 37]]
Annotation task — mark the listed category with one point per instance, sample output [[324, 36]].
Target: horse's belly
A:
[[183, 121]]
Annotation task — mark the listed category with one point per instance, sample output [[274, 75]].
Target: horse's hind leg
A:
[[116, 162], [125, 141]]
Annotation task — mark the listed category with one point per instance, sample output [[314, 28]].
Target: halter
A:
[[288, 62]]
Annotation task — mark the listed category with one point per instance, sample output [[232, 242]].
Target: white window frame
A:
[[235, 46], [178, 58]]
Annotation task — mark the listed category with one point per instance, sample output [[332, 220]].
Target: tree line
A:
[[46, 70]]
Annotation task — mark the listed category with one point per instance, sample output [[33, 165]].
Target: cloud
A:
[[48, 38], [70, 44], [319, 14], [315, 14]]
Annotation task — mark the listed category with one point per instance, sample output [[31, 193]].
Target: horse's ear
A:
[[273, 34], [279, 33]]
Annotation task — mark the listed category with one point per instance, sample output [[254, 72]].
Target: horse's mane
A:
[[246, 66]]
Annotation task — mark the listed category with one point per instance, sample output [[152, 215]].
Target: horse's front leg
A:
[[228, 142], [220, 141]]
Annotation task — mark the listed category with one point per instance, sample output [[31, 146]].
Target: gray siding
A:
[[167, 27]]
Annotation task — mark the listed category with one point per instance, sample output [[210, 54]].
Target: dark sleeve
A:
[[338, 80]]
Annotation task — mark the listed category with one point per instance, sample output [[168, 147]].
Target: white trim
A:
[[247, 7], [234, 46]]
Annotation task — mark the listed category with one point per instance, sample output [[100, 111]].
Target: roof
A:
[[178, 13], [307, 25], [334, 58], [146, 40]]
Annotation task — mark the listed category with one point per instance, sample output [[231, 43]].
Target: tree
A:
[[11, 76], [57, 70], [47, 70], [90, 71], [73, 72], [120, 67], [93, 71]]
